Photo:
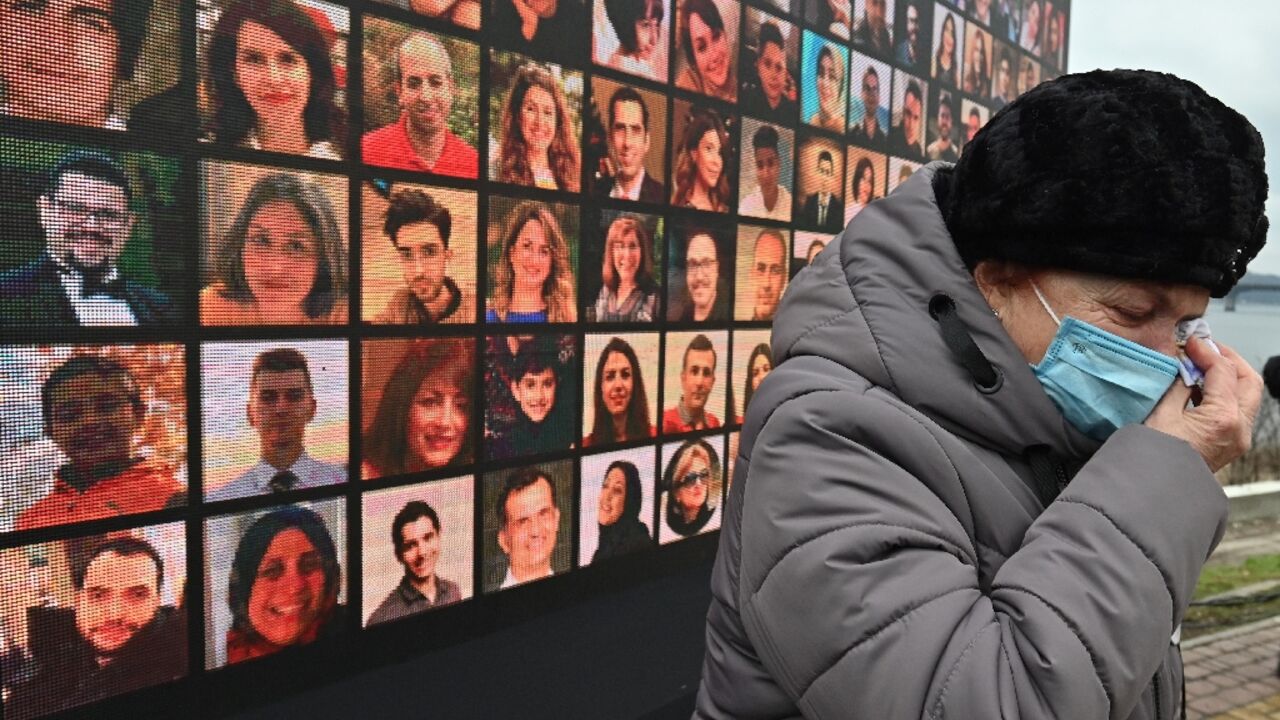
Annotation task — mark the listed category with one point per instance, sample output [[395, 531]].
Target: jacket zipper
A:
[[1156, 691]]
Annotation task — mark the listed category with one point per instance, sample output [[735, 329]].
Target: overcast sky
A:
[[1228, 47]]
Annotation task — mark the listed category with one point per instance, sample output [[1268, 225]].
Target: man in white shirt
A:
[[281, 405], [767, 199], [529, 518], [629, 141]]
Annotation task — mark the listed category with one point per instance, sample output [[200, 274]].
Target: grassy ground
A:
[[1216, 579]]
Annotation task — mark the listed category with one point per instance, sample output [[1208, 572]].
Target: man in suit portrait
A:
[[824, 209], [85, 217], [629, 141]]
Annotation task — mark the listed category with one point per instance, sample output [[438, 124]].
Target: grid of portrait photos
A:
[[361, 310]]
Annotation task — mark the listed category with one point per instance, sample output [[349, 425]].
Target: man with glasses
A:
[[93, 409], [697, 379], [63, 58], [869, 132], [704, 297], [421, 139], [281, 405], [823, 209], [84, 213], [773, 94], [768, 199], [768, 273], [419, 227]]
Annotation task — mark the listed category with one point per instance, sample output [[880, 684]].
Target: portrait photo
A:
[[806, 247], [914, 20], [421, 98], [535, 121], [699, 271], [108, 65], [975, 116], [275, 579], [819, 184], [533, 262], [626, 142], [824, 68], [1029, 75], [752, 362], [619, 388], [419, 254], [273, 246], [868, 177], [694, 385], [768, 171], [731, 457], [91, 432], [462, 13], [943, 132], [274, 416], [1031, 35], [869, 101], [1004, 71], [528, 524], [552, 30], [1006, 20], [706, 45], [616, 507], [702, 158], [906, 138], [770, 64], [417, 547], [417, 405], [1053, 49], [531, 386], [762, 271], [690, 488], [92, 617], [628, 250], [873, 26], [273, 75], [948, 36], [899, 171], [631, 36], [977, 61], [92, 237]]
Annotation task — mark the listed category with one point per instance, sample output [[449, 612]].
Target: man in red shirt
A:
[[697, 378], [420, 140], [92, 410]]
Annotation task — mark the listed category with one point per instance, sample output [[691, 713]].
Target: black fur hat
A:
[[1271, 376], [1130, 173]]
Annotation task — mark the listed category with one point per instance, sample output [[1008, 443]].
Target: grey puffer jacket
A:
[[885, 551]]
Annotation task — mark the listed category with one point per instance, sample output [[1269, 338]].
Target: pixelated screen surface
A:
[[400, 304]]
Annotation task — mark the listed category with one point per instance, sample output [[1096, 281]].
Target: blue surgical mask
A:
[[1101, 381]]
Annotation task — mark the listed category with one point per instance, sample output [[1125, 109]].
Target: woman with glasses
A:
[[691, 486], [628, 291]]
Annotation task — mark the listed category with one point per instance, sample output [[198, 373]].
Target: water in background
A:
[[1253, 329]]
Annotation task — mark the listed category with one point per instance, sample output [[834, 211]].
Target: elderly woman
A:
[[974, 456], [691, 486], [283, 262], [620, 404], [618, 513], [628, 291], [284, 585]]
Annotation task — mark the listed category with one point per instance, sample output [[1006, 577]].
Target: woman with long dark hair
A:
[[620, 405], [944, 61], [759, 365], [628, 290], [701, 174]]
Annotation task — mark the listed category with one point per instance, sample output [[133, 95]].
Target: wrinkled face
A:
[[830, 76], [768, 167], [913, 25], [531, 256], [617, 383], [538, 119], [613, 497], [423, 259], [532, 523], [281, 256], [627, 256], [273, 76], [697, 377], [628, 138], [710, 52], [760, 367], [944, 120], [86, 220], [60, 59], [768, 272], [120, 597], [280, 406], [438, 420], [911, 119], [426, 86], [871, 95], [93, 421], [288, 592], [536, 393], [707, 158], [419, 548], [691, 488], [771, 66], [876, 13], [648, 34], [702, 268]]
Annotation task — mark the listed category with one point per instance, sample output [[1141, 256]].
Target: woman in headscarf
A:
[[618, 513]]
